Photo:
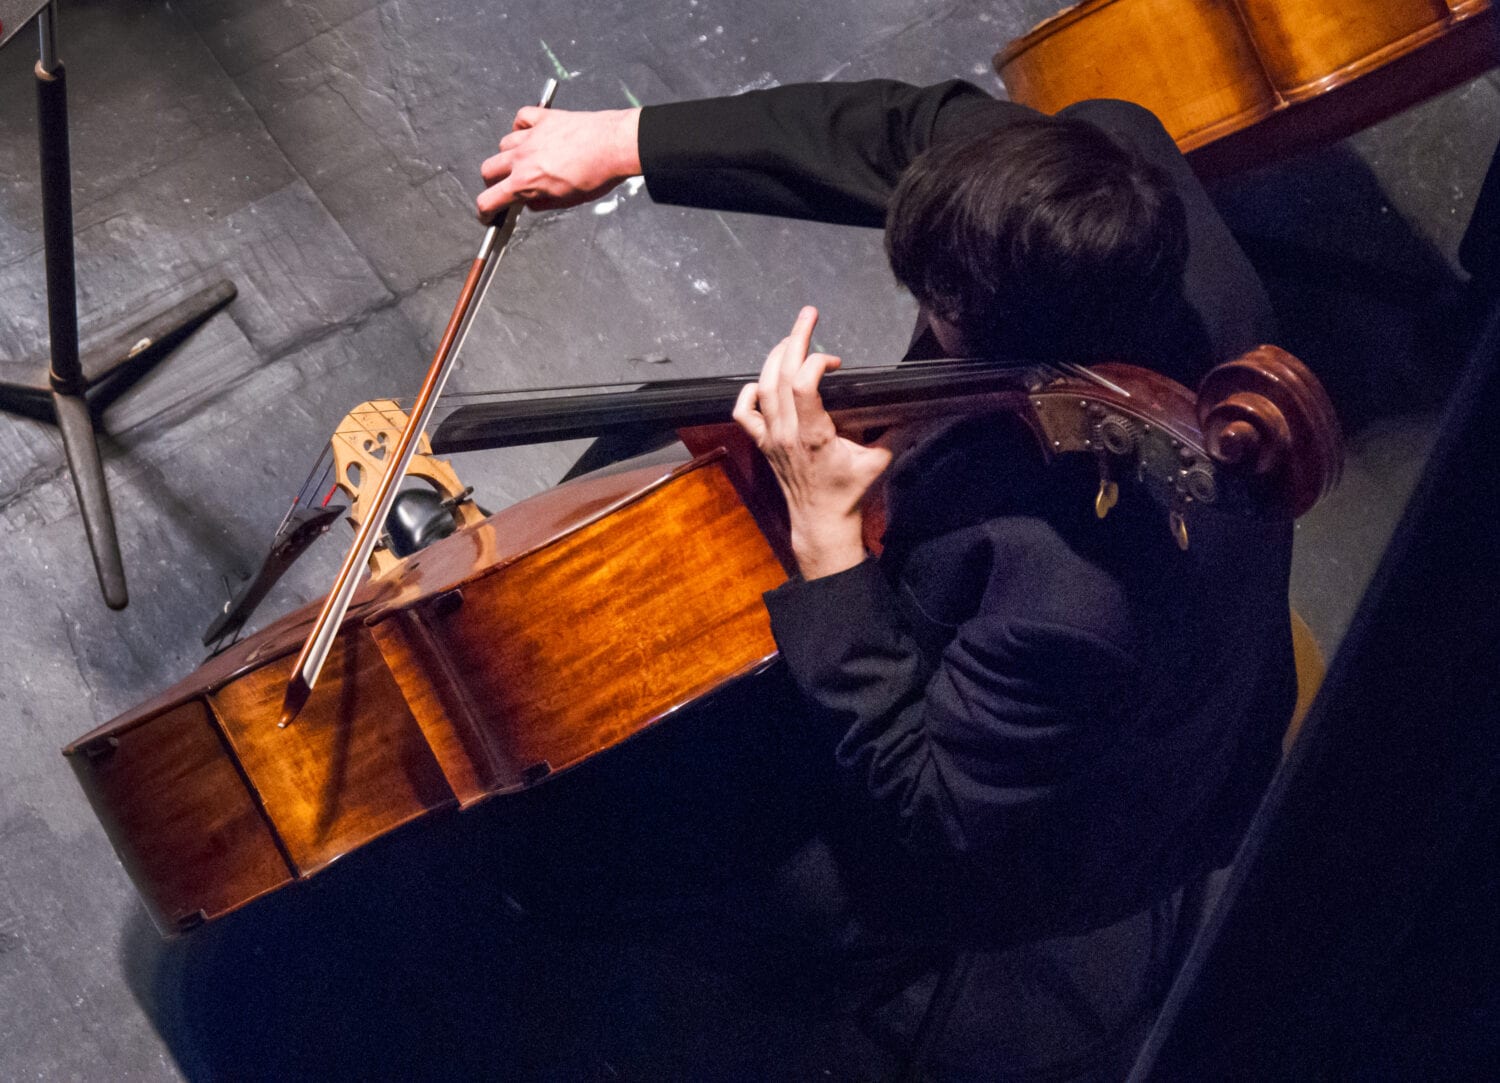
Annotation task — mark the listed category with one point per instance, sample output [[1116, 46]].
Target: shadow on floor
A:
[[1372, 307], [533, 937]]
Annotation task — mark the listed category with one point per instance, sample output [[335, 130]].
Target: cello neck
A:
[[857, 396]]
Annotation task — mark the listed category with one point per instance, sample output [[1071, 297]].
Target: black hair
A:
[[1043, 239]]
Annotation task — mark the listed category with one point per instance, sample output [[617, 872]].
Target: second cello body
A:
[[1242, 82]]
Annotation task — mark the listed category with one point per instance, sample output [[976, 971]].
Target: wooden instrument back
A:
[[1239, 83]]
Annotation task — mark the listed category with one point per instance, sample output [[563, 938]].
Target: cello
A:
[[531, 640], [1241, 83]]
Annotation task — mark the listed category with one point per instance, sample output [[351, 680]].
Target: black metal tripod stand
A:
[[58, 390]]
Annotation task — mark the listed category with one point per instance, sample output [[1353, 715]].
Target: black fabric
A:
[[1042, 723], [834, 152], [1054, 719], [1223, 309], [831, 152]]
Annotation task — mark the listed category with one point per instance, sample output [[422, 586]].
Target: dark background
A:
[[324, 154]]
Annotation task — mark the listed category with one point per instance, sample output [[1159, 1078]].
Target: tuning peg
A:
[[1109, 491], [1178, 525]]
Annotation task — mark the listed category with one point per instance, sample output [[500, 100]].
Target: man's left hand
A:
[[824, 476]]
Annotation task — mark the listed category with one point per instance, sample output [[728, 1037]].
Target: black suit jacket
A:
[[1042, 721], [833, 152]]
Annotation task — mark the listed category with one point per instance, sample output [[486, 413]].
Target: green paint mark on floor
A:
[[557, 66], [635, 102]]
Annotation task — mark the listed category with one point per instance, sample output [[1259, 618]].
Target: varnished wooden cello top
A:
[[510, 650]]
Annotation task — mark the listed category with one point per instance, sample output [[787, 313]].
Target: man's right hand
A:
[[553, 158]]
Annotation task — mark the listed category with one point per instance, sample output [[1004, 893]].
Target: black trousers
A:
[[706, 840]]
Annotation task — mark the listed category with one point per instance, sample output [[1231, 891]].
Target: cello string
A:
[[900, 368], [528, 407], [531, 404], [841, 391], [324, 632], [391, 420], [326, 485], [1083, 372], [357, 424], [302, 499], [691, 390]]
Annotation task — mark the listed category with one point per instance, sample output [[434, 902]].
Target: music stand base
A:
[[107, 373]]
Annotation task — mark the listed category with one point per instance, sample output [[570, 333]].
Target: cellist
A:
[[1038, 725]]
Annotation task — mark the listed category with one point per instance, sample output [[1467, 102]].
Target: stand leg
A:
[[66, 370], [59, 394], [77, 428], [57, 227]]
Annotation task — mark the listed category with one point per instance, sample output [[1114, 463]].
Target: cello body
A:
[[552, 631], [1240, 83], [502, 654]]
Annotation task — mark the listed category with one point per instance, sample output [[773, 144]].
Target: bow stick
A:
[[325, 628]]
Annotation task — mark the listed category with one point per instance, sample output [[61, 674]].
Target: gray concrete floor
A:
[[323, 154]]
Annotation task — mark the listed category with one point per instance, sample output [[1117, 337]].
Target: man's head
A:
[[1044, 239]]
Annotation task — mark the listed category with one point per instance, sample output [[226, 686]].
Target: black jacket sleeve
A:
[[833, 152], [956, 755], [829, 152]]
